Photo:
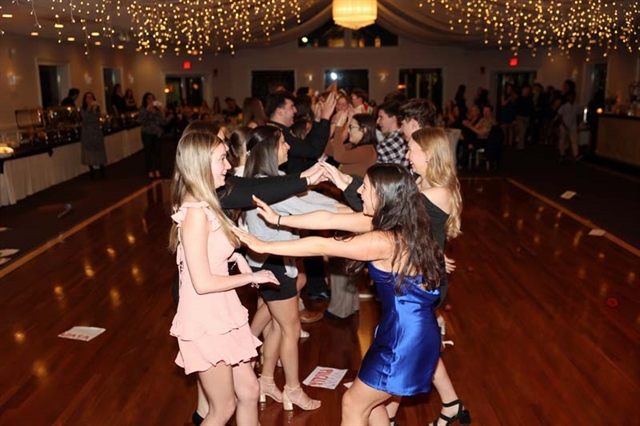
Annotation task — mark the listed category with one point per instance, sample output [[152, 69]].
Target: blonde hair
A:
[[192, 175], [441, 171]]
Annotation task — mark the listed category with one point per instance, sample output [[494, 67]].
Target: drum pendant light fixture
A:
[[355, 14]]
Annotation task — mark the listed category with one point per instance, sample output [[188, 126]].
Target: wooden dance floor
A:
[[545, 319]]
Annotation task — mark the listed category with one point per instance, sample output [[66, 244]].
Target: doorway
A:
[[422, 83], [111, 77], [184, 91], [516, 79], [54, 84]]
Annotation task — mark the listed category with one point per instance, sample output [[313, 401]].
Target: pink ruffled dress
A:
[[213, 327]]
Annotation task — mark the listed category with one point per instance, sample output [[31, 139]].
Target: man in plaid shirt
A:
[[393, 149]]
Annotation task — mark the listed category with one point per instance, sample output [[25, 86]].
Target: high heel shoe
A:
[[462, 415], [269, 390], [296, 396]]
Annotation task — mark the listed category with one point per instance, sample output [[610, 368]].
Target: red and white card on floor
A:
[[82, 333], [325, 377]]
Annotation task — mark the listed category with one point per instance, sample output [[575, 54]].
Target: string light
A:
[[195, 27], [191, 27], [545, 24]]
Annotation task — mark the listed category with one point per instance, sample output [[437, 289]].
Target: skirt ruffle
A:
[[236, 346]]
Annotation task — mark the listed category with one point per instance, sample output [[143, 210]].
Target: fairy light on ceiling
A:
[[535, 25], [192, 27], [195, 26]]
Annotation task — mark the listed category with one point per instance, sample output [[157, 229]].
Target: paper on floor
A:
[[567, 195], [82, 333], [597, 232], [325, 377], [348, 385], [8, 252]]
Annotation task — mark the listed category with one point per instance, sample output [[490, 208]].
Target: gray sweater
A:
[[307, 203]]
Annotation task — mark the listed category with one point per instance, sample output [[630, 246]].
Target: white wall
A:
[[19, 55]]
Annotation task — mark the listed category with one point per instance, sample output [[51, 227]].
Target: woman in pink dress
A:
[[211, 325]]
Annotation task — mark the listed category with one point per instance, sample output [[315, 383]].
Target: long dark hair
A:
[[367, 123], [238, 145], [252, 110], [401, 212], [262, 152], [145, 99], [85, 104]]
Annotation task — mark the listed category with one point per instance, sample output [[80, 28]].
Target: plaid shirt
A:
[[393, 149]]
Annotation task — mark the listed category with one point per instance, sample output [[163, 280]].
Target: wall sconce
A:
[[309, 77], [130, 79], [13, 80], [384, 76], [87, 79]]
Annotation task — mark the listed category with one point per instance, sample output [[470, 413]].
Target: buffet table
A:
[[23, 176], [619, 138]]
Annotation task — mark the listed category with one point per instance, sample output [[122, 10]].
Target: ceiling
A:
[[241, 23]]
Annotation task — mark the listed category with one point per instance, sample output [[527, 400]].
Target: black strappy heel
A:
[[462, 416], [393, 421]]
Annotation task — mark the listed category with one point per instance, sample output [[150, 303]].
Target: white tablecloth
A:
[[25, 176]]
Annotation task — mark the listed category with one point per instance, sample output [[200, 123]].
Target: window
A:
[[265, 82], [348, 79], [333, 36], [422, 83], [184, 90]]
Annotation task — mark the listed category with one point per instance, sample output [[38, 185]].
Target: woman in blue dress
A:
[[393, 237]]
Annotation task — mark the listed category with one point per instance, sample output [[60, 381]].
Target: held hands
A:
[[339, 179], [314, 174], [266, 212]]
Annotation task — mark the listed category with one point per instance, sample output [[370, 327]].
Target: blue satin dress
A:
[[406, 346]]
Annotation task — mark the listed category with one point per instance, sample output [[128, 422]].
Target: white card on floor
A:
[[8, 252], [597, 232], [4, 260], [348, 385], [325, 377], [567, 195], [82, 333]]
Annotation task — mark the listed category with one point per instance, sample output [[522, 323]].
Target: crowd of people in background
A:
[[521, 115]]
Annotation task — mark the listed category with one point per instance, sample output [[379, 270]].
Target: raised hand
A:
[[265, 211], [329, 106]]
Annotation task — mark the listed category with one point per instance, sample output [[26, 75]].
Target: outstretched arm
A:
[[348, 184], [370, 246], [272, 189], [318, 220]]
